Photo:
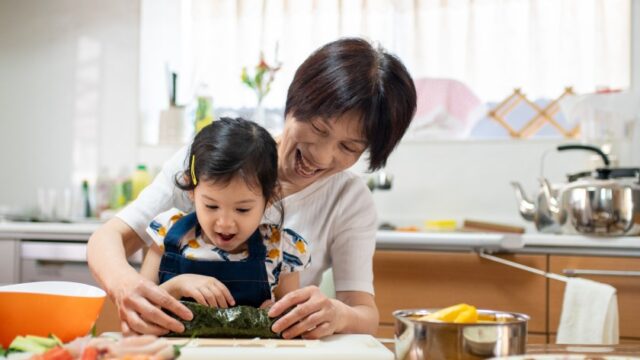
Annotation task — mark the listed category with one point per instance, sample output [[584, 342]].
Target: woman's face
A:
[[229, 213], [313, 150]]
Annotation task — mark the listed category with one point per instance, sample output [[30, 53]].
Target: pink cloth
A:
[[446, 107]]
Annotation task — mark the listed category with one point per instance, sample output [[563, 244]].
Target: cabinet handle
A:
[[590, 272]]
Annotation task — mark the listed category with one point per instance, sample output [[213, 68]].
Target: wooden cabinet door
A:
[[407, 280], [108, 320], [628, 288], [9, 261]]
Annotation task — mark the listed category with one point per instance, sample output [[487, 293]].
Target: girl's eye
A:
[[213, 207], [243, 210]]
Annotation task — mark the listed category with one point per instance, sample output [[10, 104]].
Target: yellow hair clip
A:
[[193, 170]]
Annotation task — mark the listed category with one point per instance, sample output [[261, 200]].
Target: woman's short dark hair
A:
[[351, 75], [230, 148]]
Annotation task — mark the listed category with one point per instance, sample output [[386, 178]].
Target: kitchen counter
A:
[[47, 230], [393, 240], [516, 243]]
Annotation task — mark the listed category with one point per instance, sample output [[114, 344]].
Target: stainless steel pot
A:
[[422, 340], [601, 207], [603, 202]]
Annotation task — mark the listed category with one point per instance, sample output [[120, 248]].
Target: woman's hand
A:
[[139, 300], [206, 290], [313, 315], [140, 303]]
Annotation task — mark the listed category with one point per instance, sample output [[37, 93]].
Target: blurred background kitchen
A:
[[90, 90]]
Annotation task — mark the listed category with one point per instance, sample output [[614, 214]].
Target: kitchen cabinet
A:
[[628, 289], [108, 320], [9, 261], [420, 279], [429, 279], [52, 252]]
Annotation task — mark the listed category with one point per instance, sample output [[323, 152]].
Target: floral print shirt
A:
[[286, 250]]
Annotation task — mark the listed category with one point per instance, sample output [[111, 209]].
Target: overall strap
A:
[[257, 250], [177, 231]]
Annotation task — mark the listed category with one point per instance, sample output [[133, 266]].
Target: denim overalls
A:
[[247, 279]]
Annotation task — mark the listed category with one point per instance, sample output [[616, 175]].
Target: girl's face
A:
[[313, 150], [229, 213]]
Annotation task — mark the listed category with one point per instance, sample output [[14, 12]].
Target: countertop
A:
[[48, 230], [520, 243], [393, 240]]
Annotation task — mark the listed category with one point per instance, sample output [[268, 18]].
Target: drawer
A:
[[406, 280], [52, 270], [628, 288]]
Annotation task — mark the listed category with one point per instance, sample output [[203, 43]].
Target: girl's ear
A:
[[187, 180]]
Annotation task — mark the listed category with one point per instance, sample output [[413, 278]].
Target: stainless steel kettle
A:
[[604, 202]]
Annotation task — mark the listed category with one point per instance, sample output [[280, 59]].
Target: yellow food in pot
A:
[[459, 314]]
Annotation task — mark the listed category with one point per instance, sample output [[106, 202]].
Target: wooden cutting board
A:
[[335, 347]]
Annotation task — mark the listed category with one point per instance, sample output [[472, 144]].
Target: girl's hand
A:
[[206, 290], [267, 304], [313, 315]]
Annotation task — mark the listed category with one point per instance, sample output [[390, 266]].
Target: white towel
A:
[[589, 313]]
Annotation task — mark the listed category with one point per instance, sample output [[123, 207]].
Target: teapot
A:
[[538, 210], [604, 202]]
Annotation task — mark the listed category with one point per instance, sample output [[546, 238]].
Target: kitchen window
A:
[[488, 46]]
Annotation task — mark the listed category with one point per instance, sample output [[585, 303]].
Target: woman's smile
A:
[[304, 167]]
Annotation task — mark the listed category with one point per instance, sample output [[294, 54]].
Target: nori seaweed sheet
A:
[[235, 322]]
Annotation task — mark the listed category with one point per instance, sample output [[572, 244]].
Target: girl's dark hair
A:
[[351, 75], [230, 148]]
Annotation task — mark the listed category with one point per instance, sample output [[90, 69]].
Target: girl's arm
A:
[[288, 282], [151, 263], [206, 290]]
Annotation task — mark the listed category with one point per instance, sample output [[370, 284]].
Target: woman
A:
[[346, 98]]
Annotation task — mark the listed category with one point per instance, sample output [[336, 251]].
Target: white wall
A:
[[468, 179], [68, 92], [635, 46]]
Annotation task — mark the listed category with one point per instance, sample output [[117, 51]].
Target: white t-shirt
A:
[[335, 215]]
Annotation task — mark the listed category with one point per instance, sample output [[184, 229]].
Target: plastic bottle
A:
[[104, 187], [204, 108], [121, 189], [86, 199], [140, 179]]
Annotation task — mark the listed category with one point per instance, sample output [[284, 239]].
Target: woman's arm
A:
[[351, 247], [314, 316], [361, 315], [139, 300]]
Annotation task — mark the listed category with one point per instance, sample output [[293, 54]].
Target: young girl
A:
[[222, 254]]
